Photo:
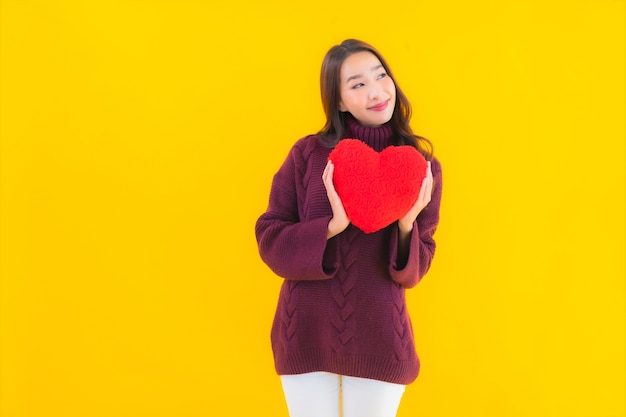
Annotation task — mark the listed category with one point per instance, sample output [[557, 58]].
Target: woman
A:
[[341, 335]]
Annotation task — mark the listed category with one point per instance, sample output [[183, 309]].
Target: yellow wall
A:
[[139, 139]]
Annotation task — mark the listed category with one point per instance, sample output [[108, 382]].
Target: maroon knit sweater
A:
[[342, 305]]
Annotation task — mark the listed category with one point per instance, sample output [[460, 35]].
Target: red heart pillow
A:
[[376, 188]]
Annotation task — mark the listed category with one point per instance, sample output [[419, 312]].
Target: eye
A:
[[383, 75], [355, 86]]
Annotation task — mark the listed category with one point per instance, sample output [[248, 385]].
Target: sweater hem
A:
[[363, 366]]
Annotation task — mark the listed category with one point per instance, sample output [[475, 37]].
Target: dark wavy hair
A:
[[335, 127]]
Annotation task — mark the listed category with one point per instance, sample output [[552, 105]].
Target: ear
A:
[[342, 107]]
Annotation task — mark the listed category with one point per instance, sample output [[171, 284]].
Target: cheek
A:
[[350, 97], [391, 87]]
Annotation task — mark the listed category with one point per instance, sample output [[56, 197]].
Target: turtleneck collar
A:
[[377, 138]]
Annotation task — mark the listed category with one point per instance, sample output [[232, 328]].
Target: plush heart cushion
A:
[[376, 188]]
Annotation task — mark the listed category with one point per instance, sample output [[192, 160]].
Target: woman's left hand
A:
[[405, 223]]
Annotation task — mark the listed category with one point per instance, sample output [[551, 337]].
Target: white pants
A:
[[322, 394]]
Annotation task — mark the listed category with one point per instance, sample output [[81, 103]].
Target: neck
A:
[[378, 137]]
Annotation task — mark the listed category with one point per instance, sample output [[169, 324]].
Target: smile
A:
[[379, 107]]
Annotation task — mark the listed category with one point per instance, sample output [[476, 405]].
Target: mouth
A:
[[379, 107]]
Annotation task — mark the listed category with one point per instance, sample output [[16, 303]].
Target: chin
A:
[[375, 121], [383, 120]]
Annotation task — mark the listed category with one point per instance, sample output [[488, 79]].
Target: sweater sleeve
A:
[[422, 244], [292, 248]]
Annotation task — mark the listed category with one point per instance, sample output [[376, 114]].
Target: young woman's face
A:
[[366, 91]]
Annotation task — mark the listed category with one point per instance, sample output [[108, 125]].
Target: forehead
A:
[[359, 63]]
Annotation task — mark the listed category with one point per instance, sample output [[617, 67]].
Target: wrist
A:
[[404, 227], [332, 228]]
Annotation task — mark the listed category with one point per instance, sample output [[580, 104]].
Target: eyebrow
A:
[[354, 77]]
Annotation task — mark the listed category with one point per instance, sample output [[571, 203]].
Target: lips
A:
[[379, 107]]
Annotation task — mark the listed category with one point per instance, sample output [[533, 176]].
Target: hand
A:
[[339, 221], [405, 223]]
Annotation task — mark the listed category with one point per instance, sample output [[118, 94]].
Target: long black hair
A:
[[335, 127]]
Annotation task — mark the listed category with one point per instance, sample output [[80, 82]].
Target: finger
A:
[[430, 184], [328, 179], [325, 173], [424, 190], [327, 176], [424, 195], [429, 177]]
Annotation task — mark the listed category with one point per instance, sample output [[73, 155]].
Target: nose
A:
[[375, 92]]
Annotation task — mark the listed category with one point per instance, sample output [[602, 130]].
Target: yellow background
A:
[[139, 139]]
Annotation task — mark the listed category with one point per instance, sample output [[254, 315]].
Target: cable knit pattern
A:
[[289, 313], [342, 305], [401, 326], [343, 294]]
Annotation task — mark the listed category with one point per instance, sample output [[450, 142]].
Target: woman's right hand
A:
[[340, 220]]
